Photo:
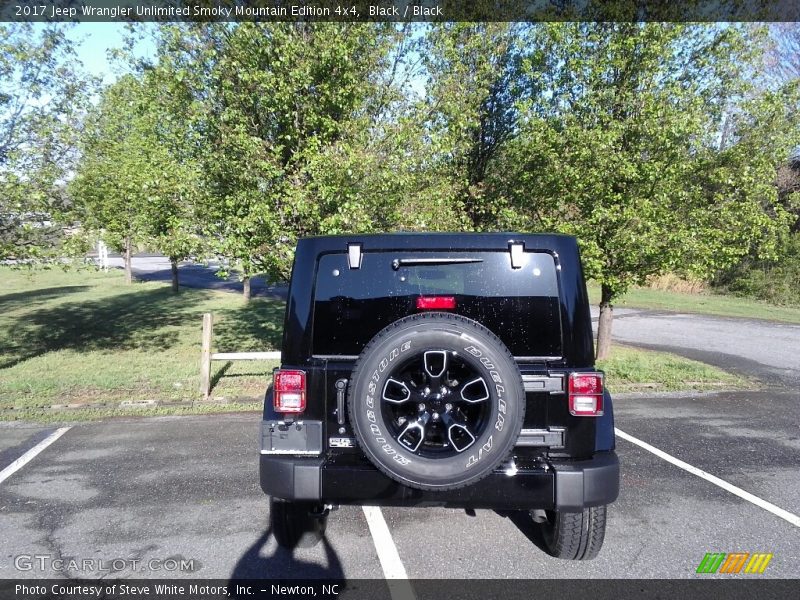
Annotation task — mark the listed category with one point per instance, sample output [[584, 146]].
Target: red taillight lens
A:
[[289, 391], [436, 303], [586, 394]]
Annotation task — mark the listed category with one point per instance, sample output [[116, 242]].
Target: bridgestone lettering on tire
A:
[[436, 401]]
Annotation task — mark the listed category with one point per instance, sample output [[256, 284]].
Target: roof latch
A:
[[517, 250], [354, 256]]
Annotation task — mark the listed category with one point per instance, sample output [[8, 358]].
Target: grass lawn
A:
[[631, 370], [86, 342], [710, 304], [86, 337]]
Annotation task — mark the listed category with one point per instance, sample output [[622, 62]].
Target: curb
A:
[[680, 394], [130, 405]]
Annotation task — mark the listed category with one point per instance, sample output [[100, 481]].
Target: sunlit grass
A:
[[631, 369], [702, 303], [87, 338]]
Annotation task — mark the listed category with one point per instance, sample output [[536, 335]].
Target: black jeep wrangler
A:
[[450, 370]]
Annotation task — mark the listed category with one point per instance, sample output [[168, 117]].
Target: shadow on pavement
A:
[[283, 564], [525, 523]]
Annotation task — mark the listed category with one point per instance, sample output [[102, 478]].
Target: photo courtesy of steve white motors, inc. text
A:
[[140, 590]]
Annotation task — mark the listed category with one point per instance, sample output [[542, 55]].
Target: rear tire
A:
[[297, 524], [574, 536], [436, 401]]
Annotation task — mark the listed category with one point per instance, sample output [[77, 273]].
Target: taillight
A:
[[586, 394], [436, 303], [289, 391]]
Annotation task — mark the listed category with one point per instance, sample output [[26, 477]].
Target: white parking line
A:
[[30, 454], [393, 570], [768, 506], [384, 544]]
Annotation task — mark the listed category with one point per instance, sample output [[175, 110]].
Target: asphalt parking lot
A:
[[186, 490]]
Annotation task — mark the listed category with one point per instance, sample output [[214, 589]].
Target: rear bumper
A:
[[561, 485]]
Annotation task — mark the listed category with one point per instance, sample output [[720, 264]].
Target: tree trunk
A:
[[604, 324], [127, 259], [246, 288], [174, 264]]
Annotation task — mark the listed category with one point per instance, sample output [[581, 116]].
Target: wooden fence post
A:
[[205, 356]]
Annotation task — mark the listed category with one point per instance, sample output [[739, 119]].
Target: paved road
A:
[[186, 488], [150, 267], [767, 350]]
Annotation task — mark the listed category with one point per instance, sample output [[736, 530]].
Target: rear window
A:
[[519, 305]]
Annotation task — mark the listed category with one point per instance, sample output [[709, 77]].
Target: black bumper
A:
[[562, 485]]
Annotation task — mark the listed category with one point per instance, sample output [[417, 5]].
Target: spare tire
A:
[[436, 401]]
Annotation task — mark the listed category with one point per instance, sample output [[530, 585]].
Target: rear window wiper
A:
[[442, 260]]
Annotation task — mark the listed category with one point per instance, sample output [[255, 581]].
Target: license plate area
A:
[[300, 437]]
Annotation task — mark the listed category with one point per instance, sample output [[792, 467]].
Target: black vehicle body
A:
[[559, 462]]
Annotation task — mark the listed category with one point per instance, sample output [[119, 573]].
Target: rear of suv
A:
[[451, 370]]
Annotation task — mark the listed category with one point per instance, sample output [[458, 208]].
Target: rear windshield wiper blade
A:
[[442, 260]]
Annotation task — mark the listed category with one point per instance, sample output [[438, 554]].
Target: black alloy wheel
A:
[[436, 403]]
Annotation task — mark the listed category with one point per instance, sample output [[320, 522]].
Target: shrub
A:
[[777, 282]]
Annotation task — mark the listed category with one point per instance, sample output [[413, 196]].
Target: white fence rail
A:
[[206, 356], [246, 356]]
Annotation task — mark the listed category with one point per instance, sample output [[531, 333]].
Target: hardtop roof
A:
[[442, 241]]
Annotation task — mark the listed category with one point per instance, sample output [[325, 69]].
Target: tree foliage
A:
[[296, 134], [619, 144], [470, 112], [110, 179], [138, 181], [43, 97]]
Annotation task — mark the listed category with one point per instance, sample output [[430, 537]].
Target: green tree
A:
[[782, 69], [619, 144], [138, 180], [43, 96], [469, 112], [293, 125], [173, 182], [111, 176]]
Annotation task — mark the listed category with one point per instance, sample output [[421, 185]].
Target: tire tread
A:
[[422, 317], [579, 535]]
